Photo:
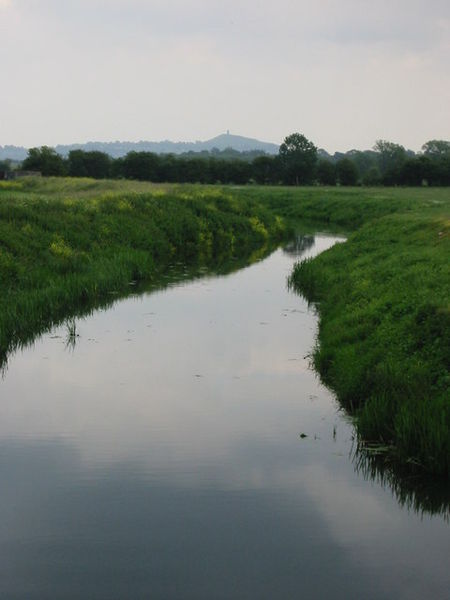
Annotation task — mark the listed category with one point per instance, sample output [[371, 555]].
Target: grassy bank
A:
[[384, 305], [383, 296], [345, 208], [67, 243]]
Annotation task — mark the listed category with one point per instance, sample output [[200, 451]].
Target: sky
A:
[[342, 72]]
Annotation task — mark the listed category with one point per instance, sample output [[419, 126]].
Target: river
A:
[[178, 446]]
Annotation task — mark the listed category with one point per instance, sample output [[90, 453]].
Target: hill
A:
[[118, 149]]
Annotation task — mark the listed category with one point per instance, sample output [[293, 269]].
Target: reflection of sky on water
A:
[[117, 534], [161, 458]]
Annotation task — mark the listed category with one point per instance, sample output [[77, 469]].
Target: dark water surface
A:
[[160, 456]]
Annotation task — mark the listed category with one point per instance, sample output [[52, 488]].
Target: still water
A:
[[162, 454]]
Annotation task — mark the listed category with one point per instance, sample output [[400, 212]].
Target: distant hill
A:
[[15, 153], [118, 149], [240, 143]]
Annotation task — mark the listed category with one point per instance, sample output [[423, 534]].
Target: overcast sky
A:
[[343, 72]]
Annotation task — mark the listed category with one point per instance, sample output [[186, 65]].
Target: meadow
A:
[[382, 296]]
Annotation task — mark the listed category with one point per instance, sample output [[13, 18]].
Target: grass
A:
[[383, 296], [67, 243], [384, 333]]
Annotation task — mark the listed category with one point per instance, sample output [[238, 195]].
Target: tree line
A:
[[299, 162]]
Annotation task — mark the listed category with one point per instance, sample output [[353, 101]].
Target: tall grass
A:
[[384, 332], [383, 296], [67, 243]]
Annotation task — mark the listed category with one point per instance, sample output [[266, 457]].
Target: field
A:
[[383, 296]]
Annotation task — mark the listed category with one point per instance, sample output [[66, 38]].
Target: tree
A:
[[299, 157], [238, 171], [77, 168], [437, 170], [89, 164], [144, 166], [326, 172], [117, 168], [5, 165], [347, 172], [390, 156], [413, 170], [364, 160], [191, 170], [46, 160], [436, 148], [169, 168], [372, 177], [266, 169], [98, 164]]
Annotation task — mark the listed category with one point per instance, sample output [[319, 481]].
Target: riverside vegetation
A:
[[383, 296], [384, 332], [66, 243]]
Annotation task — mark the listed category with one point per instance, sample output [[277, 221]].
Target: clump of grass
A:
[[71, 334]]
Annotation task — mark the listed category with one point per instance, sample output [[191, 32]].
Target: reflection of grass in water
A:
[[420, 493], [71, 334], [299, 244], [67, 245], [384, 331], [175, 273]]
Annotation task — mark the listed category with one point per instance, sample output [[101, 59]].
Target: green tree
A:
[[5, 165], [364, 160], [169, 168], [89, 164], [347, 172], [144, 166], [77, 168], [326, 172], [98, 164], [436, 148], [238, 171], [266, 169], [390, 158], [372, 177], [299, 158], [46, 160], [413, 169], [435, 162]]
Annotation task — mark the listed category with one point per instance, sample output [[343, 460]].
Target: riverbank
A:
[[384, 333], [383, 296], [67, 243]]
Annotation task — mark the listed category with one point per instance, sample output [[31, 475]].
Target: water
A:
[[159, 455]]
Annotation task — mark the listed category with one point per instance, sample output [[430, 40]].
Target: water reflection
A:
[[172, 275], [71, 334], [420, 493], [119, 532], [163, 458], [298, 245]]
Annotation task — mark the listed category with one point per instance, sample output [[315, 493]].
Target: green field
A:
[[383, 296]]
